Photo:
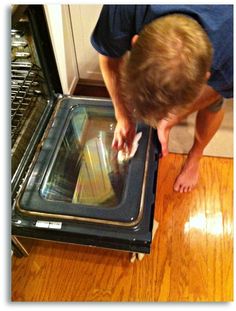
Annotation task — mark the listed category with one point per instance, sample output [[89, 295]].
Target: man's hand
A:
[[125, 129], [124, 134], [163, 130]]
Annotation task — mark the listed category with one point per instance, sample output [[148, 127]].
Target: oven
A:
[[67, 183]]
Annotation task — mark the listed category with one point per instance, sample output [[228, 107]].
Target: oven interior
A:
[[34, 86]]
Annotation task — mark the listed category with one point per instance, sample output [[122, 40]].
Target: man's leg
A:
[[207, 124]]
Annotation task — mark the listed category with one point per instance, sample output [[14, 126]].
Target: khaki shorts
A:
[[216, 106]]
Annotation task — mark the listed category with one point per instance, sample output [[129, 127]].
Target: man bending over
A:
[[162, 62]]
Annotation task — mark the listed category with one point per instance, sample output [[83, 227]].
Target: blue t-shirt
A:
[[117, 25]]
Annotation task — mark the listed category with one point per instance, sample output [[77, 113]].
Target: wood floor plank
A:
[[191, 257]]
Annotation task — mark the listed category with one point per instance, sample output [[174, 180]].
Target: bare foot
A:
[[188, 177]]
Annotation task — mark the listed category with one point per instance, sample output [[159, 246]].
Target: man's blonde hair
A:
[[167, 66]]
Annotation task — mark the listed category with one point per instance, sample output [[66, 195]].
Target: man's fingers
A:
[[129, 143], [123, 137], [117, 142], [129, 140], [120, 143], [163, 138]]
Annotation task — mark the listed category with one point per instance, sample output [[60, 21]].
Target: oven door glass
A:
[[76, 174], [85, 169]]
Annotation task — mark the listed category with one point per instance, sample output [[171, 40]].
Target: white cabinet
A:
[[59, 24], [83, 20], [70, 28]]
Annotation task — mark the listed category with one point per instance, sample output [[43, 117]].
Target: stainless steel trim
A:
[[132, 223]]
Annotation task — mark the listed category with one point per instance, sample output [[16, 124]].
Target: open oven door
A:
[[77, 191]]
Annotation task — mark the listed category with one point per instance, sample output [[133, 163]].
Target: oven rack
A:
[[26, 82]]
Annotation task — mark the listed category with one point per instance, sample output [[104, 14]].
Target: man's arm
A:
[[125, 129]]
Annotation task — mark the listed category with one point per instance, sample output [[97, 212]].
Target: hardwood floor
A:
[[191, 257]]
